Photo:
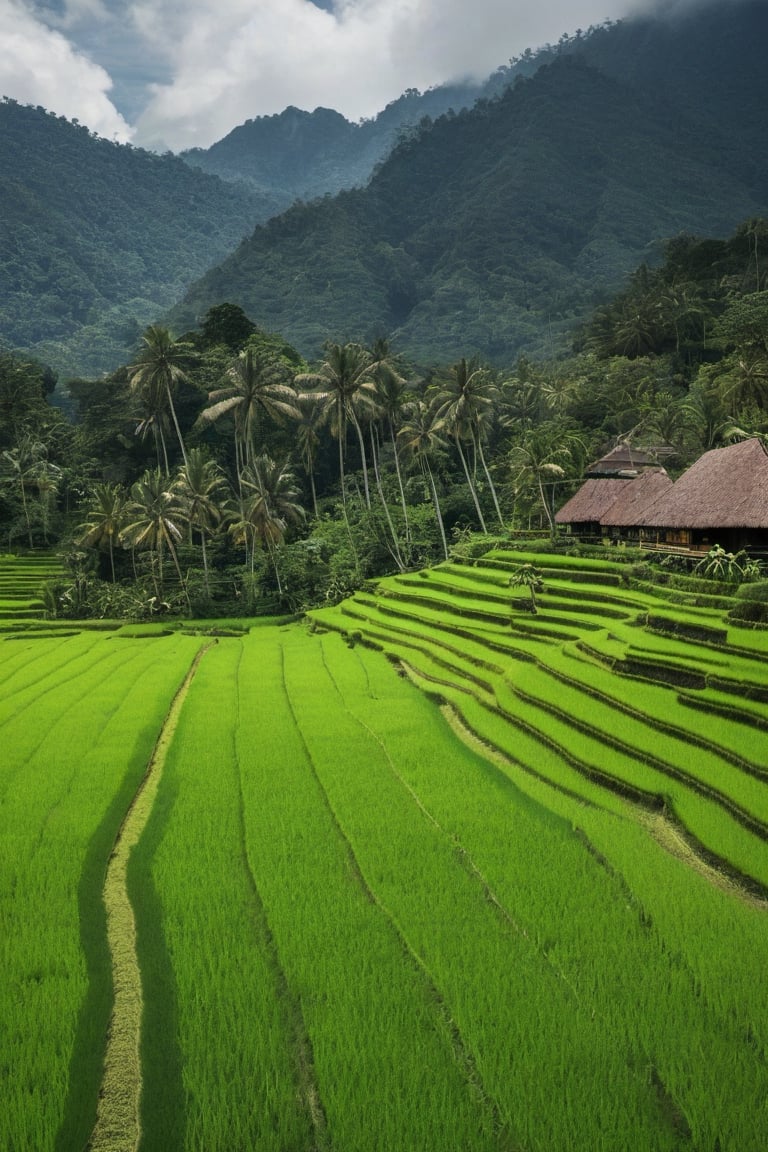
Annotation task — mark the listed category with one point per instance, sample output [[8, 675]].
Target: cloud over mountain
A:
[[185, 74]]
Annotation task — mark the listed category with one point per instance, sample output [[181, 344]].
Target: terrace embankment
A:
[[117, 1118]]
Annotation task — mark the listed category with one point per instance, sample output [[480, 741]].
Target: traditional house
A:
[[585, 510], [611, 508], [615, 491], [721, 499], [625, 461], [636, 500]]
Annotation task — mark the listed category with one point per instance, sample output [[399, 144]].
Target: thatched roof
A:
[[591, 502], [725, 488], [626, 460], [637, 498]]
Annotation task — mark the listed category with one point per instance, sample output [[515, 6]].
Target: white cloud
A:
[[188, 71], [38, 65], [234, 59]]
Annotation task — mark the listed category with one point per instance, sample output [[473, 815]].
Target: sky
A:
[[175, 74]]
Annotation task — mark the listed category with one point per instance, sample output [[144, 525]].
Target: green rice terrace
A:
[[424, 872]]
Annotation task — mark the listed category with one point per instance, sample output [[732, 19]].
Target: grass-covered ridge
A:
[[368, 922]]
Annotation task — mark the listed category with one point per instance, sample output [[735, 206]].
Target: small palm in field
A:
[[528, 576]]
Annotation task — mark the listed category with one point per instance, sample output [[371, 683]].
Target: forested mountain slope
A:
[[495, 230], [97, 238], [302, 155]]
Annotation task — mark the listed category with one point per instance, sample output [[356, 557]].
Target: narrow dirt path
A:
[[118, 1127]]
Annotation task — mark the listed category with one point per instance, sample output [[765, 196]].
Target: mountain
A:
[[298, 155], [496, 229], [97, 239]]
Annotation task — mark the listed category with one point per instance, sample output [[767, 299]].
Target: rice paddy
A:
[[424, 872]]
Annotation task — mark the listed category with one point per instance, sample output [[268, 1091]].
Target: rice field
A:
[[423, 872]]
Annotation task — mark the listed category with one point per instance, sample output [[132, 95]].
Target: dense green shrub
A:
[[751, 603]]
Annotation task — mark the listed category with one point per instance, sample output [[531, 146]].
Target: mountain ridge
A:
[[493, 231]]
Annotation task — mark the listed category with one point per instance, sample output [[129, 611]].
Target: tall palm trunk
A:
[[490, 481], [172, 406], [273, 557], [312, 489], [361, 441], [547, 512], [343, 479], [26, 510], [395, 550], [205, 563], [472, 488], [400, 481], [436, 503]]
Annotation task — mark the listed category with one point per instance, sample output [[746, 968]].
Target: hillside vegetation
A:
[[495, 230], [97, 239], [299, 155], [486, 232]]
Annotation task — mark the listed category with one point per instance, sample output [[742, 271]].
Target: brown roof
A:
[[625, 458], [591, 502], [725, 488], [637, 498]]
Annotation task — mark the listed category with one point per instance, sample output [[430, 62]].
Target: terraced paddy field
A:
[[426, 872]]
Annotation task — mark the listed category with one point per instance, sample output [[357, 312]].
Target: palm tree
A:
[[522, 397], [269, 505], [423, 443], [541, 457], [309, 418], [256, 387], [24, 462], [154, 418], [344, 387], [528, 576], [465, 403], [705, 411], [153, 516], [46, 480], [106, 516], [391, 396], [201, 489], [161, 368]]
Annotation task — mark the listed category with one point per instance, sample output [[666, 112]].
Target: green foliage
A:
[[751, 603], [98, 238], [528, 576], [728, 566]]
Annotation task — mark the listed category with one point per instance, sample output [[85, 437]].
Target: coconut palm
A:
[[153, 519], [466, 400], [24, 463], [47, 477], [521, 398], [390, 397], [308, 422], [154, 419], [257, 387], [423, 443], [161, 367], [539, 458], [269, 505], [344, 387], [201, 490], [106, 515]]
